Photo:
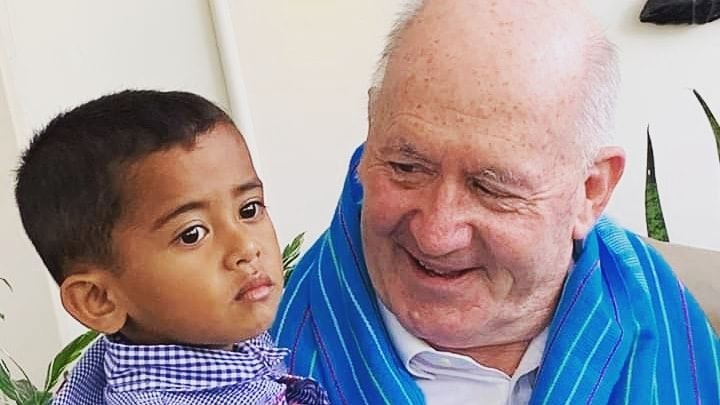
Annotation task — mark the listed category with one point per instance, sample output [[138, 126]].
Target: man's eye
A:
[[192, 235], [251, 210], [480, 187], [404, 168], [483, 189]]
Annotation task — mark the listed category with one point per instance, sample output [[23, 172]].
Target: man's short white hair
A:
[[595, 128]]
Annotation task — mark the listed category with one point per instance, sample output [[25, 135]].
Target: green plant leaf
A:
[[654, 218], [38, 398], [290, 254], [20, 388], [66, 357], [27, 392], [22, 391], [7, 385], [711, 117]]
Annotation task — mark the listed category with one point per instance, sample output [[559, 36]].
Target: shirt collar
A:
[[185, 368], [409, 346]]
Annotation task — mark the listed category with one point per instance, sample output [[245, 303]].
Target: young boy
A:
[[147, 211]]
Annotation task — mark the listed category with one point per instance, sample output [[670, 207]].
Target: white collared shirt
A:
[[453, 379]]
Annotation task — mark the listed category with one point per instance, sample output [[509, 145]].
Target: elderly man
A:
[[468, 262]]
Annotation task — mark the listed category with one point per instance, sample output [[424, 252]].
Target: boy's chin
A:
[[260, 326]]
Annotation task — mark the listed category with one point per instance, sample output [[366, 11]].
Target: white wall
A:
[[307, 65], [31, 343], [58, 54]]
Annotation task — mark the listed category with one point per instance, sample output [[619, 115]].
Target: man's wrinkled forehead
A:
[[533, 51], [466, 63]]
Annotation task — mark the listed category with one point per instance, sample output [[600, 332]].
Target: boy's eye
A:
[[192, 235], [251, 210]]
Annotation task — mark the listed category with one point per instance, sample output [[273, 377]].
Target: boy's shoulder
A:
[[86, 381]]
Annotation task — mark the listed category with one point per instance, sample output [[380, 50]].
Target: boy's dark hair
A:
[[70, 178]]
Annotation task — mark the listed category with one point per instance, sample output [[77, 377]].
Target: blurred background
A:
[[294, 74]]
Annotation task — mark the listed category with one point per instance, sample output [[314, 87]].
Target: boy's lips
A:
[[256, 289]]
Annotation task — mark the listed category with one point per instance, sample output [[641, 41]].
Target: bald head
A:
[[513, 54]]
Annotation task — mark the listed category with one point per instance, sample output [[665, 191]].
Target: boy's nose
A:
[[242, 250]]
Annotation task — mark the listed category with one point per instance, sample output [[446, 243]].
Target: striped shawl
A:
[[625, 331]]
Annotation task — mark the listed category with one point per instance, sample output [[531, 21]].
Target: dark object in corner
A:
[[680, 11]]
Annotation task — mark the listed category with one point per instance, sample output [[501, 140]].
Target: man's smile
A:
[[440, 272]]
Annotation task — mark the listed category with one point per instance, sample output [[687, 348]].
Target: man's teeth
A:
[[434, 273], [428, 269]]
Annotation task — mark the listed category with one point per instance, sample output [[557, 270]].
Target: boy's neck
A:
[[119, 337]]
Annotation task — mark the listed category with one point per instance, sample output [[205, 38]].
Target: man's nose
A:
[[240, 248], [442, 226]]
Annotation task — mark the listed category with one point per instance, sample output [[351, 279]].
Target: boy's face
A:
[[198, 258]]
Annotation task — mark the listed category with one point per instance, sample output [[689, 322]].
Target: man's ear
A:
[[602, 177], [372, 95], [372, 92], [90, 296]]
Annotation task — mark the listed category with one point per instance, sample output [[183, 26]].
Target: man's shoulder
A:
[[638, 277], [631, 254], [628, 303], [695, 269], [675, 283]]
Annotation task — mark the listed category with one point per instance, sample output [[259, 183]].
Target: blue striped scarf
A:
[[625, 331]]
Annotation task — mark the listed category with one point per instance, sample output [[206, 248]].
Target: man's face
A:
[[198, 257], [470, 201]]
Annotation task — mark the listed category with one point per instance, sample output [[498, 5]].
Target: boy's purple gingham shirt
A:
[[114, 373]]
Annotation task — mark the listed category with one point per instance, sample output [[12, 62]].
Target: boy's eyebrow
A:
[[194, 205], [247, 186]]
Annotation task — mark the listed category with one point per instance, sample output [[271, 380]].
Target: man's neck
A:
[[506, 356]]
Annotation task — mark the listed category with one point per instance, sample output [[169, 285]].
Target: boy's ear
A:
[[90, 296], [603, 176]]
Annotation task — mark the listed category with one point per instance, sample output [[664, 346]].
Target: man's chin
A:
[[433, 326], [442, 339]]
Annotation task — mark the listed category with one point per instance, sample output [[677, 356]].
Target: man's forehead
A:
[[436, 109], [494, 131], [488, 16], [405, 146], [490, 47]]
